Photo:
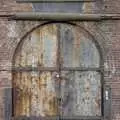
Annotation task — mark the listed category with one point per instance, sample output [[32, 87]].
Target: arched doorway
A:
[[57, 74]]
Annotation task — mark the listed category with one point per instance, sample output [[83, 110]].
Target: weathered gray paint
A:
[[77, 48], [81, 93], [39, 48], [58, 16]]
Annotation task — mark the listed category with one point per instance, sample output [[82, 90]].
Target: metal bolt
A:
[[57, 75]]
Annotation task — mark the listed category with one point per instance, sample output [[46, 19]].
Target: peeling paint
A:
[[42, 45]]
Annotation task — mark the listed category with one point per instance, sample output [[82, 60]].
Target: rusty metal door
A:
[[57, 75]]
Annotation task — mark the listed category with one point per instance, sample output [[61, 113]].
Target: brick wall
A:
[[106, 33]]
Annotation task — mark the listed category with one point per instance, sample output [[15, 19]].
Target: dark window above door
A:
[[61, 6], [70, 7]]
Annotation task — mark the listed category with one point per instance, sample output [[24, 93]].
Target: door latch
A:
[[106, 95]]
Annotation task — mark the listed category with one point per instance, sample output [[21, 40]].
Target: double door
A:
[[57, 75]]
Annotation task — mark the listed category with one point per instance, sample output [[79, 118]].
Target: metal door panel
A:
[[55, 75], [58, 7], [80, 93], [35, 94], [77, 48]]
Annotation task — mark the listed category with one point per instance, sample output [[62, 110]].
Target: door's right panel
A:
[[81, 93]]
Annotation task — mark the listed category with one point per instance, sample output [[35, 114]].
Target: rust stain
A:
[[35, 94], [39, 48]]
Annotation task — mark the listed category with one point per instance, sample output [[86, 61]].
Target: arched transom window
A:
[[57, 74]]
